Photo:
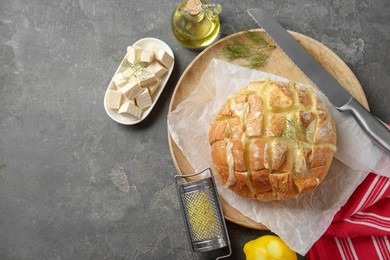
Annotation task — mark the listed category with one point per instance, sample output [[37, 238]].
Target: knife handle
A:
[[375, 128]]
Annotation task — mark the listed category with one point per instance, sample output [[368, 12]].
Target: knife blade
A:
[[336, 94]]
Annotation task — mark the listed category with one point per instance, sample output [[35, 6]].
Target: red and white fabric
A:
[[361, 229]]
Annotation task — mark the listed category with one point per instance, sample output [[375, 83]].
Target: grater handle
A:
[[224, 256], [180, 177]]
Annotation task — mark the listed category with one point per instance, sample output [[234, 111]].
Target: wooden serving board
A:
[[277, 63]]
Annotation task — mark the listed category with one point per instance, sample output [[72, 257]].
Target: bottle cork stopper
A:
[[194, 7]]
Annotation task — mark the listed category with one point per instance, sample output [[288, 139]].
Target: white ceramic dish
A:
[[145, 43]]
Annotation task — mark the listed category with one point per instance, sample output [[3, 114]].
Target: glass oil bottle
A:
[[195, 23]]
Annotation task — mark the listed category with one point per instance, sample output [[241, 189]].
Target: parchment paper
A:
[[299, 222]]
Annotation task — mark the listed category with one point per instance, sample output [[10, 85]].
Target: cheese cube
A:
[[154, 87], [146, 57], [157, 69], [128, 73], [113, 86], [125, 99], [133, 53], [154, 50], [164, 58], [144, 100], [120, 80], [147, 78], [114, 99], [130, 108], [132, 89]]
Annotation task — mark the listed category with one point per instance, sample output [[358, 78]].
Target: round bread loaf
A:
[[272, 141]]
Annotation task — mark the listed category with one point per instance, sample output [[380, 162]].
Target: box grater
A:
[[202, 213]]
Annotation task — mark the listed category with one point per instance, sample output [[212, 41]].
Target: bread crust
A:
[[272, 141]]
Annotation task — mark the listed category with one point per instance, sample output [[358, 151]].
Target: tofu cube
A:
[[147, 78], [154, 87], [147, 57], [130, 108], [114, 98], [132, 89], [157, 69], [155, 51], [144, 100], [125, 99], [164, 58], [113, 86], [128, 73], [120, 80], [133, 53]]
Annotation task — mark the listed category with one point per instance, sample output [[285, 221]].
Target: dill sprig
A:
[[139, 71], [257, 38], [258, 60], [255, 53], [126, 63], [294, 131], [116, 56], [237, 50]]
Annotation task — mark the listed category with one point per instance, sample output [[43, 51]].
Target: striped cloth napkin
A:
[[361, 229]]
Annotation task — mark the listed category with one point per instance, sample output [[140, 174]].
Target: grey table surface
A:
[[76, 185]]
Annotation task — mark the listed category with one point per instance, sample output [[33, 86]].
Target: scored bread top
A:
[[272, 141]]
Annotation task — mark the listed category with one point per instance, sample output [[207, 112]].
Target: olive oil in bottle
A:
[[195, 23]]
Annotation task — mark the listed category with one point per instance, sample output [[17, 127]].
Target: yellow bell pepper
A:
[[268, 247]]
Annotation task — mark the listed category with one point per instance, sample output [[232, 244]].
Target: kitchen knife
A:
[[336, 94]]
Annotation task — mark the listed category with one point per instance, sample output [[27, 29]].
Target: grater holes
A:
[[202, 215]]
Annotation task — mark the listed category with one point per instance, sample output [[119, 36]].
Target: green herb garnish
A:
[[294, 131], [255, 53], [258, 59], [257, 38], [140, 71], [237, 50], [116, 56]]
